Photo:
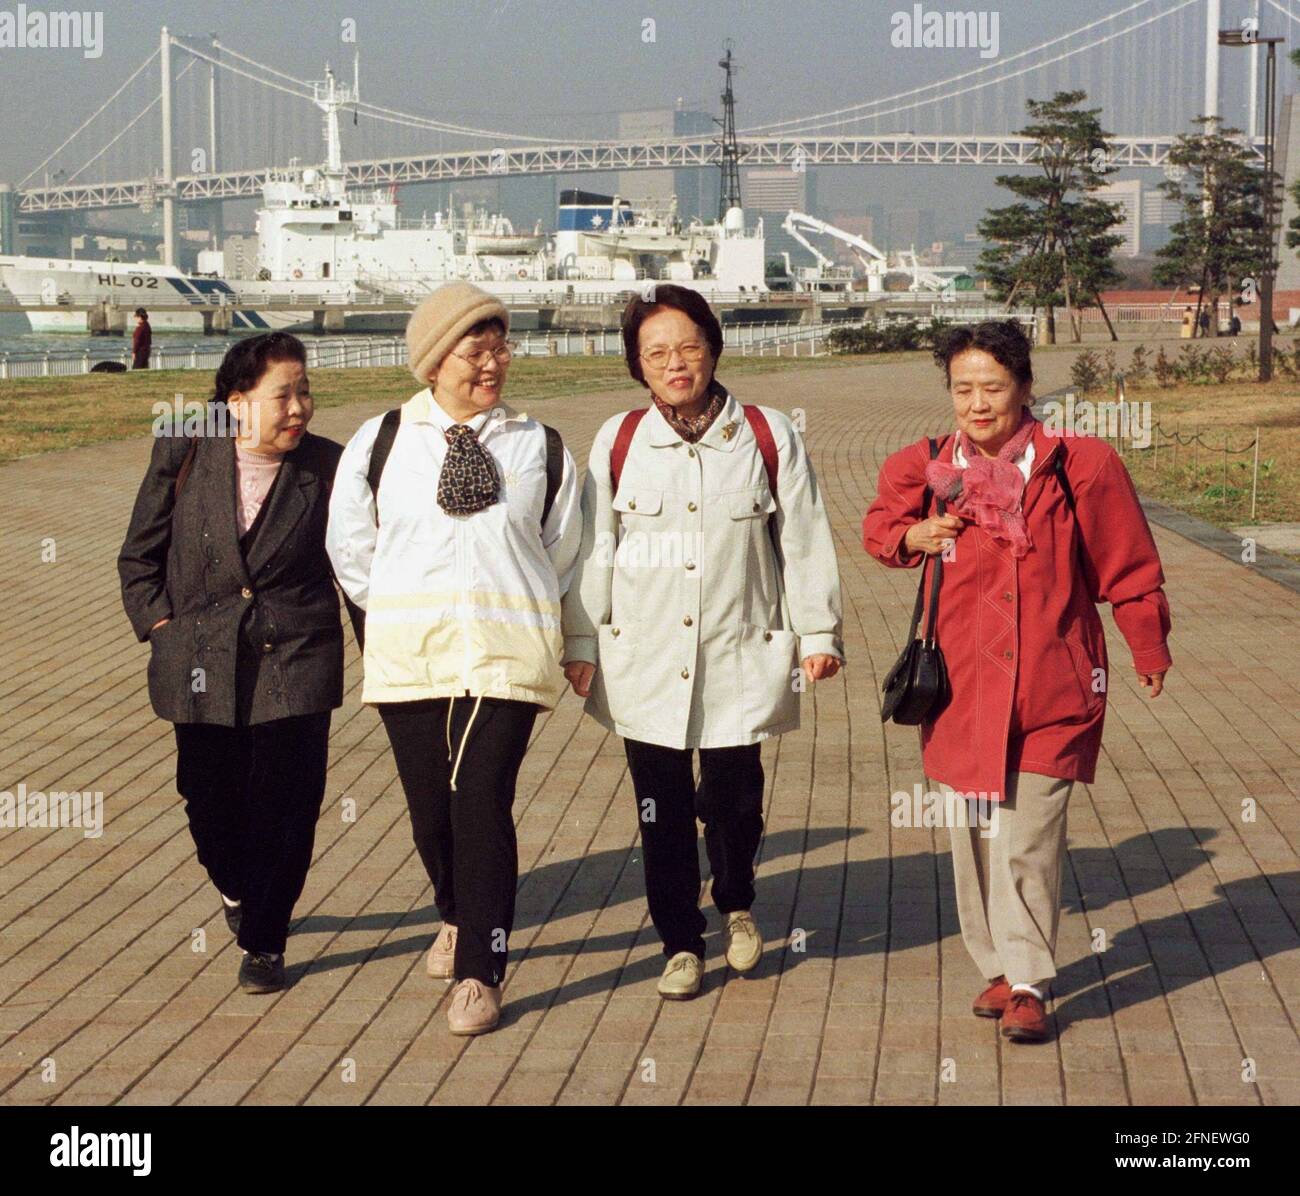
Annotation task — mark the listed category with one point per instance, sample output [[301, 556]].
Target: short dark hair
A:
[[1003, 340], [666, 295], [484, 325], [246, 361], [140, 311]]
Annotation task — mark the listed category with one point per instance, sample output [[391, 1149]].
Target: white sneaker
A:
[[744, 943], [682, 976]]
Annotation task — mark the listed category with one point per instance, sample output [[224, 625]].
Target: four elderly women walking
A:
[[687, 589]]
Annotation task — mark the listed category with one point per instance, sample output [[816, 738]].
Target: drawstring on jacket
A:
[[463, 739]]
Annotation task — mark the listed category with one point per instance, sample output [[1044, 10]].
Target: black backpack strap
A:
[[382, 447], [554, 469], [1058, 465]]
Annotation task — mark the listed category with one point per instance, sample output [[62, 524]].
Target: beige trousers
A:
[[1009, 883]]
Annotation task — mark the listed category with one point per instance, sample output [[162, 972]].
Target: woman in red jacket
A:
[[1039, 529]]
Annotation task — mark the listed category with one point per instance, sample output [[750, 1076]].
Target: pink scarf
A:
[[989, 489]]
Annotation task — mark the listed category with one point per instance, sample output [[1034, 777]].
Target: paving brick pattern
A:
[[117, 973]]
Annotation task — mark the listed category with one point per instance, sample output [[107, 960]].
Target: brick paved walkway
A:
[[105, 997]]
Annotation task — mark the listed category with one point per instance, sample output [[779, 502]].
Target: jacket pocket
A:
[[638, 500], [754, 502], [1083, 670], [768, 659]]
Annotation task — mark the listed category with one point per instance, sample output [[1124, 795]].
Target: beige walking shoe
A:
[[744, 943], [475, 1008], [682, 976], [442, 955]]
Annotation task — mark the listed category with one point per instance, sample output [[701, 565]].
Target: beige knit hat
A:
[[442, 319]]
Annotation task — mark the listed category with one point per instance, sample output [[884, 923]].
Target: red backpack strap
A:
[[618, 454], [766, 445]]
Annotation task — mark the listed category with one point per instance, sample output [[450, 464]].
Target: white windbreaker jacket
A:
[[456, 604]]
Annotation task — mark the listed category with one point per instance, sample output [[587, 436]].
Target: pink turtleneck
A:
[[254, 473]]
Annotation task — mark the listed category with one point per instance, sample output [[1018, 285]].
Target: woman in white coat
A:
[[707, 594]]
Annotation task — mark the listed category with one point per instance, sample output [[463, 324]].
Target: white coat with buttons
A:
[[695, 619]]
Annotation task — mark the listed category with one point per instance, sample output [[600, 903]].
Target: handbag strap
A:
[[936, 575]]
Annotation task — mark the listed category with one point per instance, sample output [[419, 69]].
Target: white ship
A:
[[321, 247]]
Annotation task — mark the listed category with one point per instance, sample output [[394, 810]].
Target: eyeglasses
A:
[[503, 353], [660, 356]]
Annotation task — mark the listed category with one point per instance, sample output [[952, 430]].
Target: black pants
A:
[[466, 838], [730, 804], [253, 795]]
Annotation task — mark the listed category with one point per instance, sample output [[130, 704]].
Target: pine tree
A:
[[1221, 243], [1053, 246]]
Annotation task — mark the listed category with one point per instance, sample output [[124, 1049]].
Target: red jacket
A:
[[1021, 638]]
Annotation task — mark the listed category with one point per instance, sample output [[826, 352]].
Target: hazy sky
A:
[[526, 66]]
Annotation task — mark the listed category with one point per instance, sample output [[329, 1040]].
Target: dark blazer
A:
[[249, 640]]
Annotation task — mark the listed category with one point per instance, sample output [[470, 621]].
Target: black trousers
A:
[[729, 802], [253, 795], [466, 838]]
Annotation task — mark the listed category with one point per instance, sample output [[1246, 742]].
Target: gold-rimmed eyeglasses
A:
[[503, 353], [661, 355]]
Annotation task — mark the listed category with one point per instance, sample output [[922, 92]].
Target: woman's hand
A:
[[1156, 682], [820, 666], [579, 674], [930, 536]]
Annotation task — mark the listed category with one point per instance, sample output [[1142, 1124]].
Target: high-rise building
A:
[[909, 228], [696, 188], [773, 191], [1126, 195]]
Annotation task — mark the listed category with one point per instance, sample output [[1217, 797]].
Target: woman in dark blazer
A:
[[224, 572]]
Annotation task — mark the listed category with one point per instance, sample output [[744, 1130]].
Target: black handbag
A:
[[917, 688]]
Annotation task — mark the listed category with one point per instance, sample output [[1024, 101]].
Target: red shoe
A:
[[1025, 1019], [993, 1000]]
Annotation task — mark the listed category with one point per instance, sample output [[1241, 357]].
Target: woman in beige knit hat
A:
[[454, 529]]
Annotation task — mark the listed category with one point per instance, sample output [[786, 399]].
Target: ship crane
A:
[[873, 261]]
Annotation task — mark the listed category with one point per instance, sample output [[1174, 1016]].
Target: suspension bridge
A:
[[1153, 66]]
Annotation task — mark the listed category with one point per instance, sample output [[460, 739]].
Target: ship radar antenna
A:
[[729, 194]]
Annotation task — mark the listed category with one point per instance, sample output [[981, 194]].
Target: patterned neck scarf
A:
[[468, 481], [691, 427], [989, 489]]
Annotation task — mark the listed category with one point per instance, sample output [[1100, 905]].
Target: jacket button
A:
[[686, 673], [613, 631], [690, 564], [690, 452], [1007, 596], [631, 504], [246, 592], [1008, 653], [690, 506], [268, 647], [767, 635], [688, 620]]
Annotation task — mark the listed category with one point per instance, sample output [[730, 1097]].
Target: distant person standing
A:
[[141, 340], [1234, 325], [1205, 321]]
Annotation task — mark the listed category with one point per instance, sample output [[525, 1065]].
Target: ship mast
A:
[[329, 97], [729, 194]]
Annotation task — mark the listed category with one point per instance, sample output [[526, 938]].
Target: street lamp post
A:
[[1250, 37]]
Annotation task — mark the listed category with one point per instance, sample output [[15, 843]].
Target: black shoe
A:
[[261, 973], [233, 915]]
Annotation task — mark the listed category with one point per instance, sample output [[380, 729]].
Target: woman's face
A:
[[987, 399], [465, 385], [667, 341], [274, 415]]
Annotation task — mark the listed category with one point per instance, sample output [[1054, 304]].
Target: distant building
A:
[[909, 228], [1127, 196], [696, 188], [772, 192]]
